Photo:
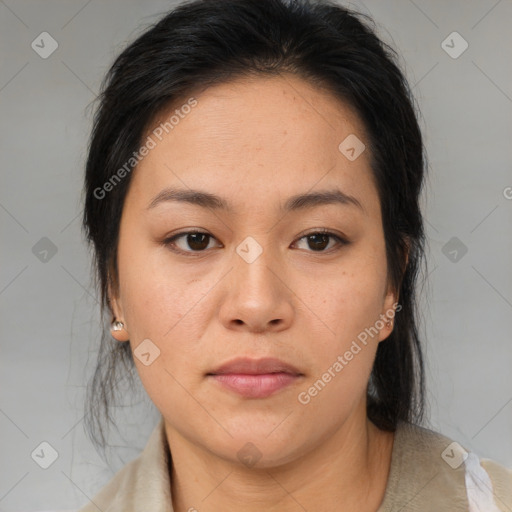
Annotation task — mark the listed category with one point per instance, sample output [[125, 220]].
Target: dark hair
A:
[[205, 42]]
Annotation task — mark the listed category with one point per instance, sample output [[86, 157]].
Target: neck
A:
[[349, 471]]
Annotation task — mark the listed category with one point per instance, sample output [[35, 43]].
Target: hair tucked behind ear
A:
[[206, 42]]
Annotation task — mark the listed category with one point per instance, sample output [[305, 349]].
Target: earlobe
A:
[[119, 331], [387, 328]]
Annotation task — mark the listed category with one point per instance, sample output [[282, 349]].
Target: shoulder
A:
[[117, 492], [143, 483], [431, 470]]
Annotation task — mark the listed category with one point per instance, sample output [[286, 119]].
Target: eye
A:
[[198, 241], [319, 240]]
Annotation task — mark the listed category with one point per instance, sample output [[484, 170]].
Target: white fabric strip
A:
[[479, 487]]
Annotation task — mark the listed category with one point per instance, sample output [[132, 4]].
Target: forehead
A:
[[258, 138]]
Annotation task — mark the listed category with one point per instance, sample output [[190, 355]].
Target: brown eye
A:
[[193, 241], [318, 241], [197, 241]]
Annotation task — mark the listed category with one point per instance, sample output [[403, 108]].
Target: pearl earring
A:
[[117, 326]]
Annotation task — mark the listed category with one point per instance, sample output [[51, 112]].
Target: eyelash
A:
[[170, 242]]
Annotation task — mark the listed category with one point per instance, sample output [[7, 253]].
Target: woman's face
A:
[[255, 285]]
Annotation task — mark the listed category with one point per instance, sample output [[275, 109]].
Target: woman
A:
[[252, 197]]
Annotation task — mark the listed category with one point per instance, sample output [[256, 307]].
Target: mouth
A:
[[255, 378]]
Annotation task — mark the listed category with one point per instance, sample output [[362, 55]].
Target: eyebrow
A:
[[294, 203]]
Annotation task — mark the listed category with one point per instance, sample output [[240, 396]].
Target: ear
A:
[[387, 317], [389, 309], [390, 305], [117, 312]]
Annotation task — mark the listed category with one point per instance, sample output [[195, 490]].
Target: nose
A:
[[257, 297]]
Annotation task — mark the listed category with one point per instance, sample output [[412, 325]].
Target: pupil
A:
[[322, 245], [197, 244]]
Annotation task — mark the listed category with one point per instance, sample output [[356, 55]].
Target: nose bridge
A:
[[253, 262]]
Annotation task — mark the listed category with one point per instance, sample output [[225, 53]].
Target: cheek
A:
[[165, 308], [156, 295], [343, 352], [349, 301], [162, 308], [173, 307]]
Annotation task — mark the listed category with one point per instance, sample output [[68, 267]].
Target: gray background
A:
[[49, 313]]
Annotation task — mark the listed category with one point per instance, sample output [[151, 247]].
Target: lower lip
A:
[[255, 386]]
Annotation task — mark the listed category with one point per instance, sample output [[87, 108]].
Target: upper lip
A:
[[244, 365]]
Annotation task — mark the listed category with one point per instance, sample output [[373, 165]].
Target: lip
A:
[[261, 366], [255, 378]]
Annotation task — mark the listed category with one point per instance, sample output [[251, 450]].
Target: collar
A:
[[142, 484], [152, 487]]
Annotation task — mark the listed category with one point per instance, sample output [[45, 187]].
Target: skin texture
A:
[[255, 142]]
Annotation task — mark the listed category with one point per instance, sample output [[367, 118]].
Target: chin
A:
[[255, 448]]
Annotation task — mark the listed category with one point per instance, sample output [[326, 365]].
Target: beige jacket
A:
[[429, 473]]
